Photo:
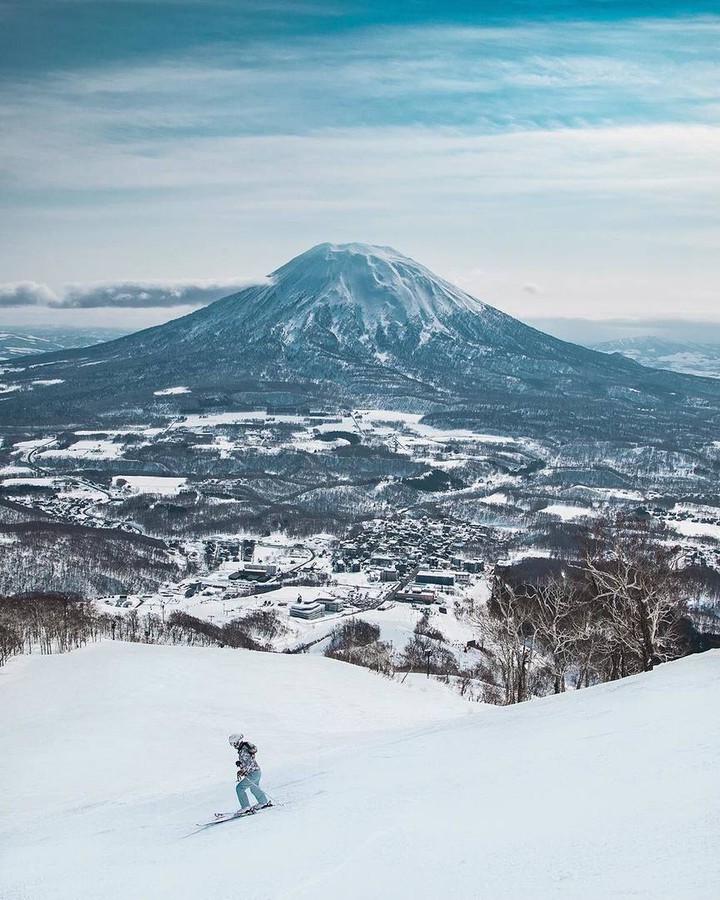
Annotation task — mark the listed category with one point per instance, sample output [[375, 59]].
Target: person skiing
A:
[[248, 775]]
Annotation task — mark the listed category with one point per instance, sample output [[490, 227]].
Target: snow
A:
[[24, 446], [83, 449], [615, 493], [167, 392], [378, 284], [569, 513], [117, 750], [696, 529], [497, 499], [153, 484], [233, 418], [43, 481], [412, 422], [15, 470]]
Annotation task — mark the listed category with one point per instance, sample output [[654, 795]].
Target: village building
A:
[[307, 609]]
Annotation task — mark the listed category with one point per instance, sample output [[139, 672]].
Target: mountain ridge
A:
[[345, 324]]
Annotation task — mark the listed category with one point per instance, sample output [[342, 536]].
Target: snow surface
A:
[[385, 789], [379, 285], [163, 485], [167, 392], [15, 470], [569, 513], [87, 448], [696, 529], [32, 481]]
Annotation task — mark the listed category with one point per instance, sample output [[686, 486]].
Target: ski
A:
[[221, 817]]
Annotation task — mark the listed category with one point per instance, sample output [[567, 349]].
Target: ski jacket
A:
[[246, 763]]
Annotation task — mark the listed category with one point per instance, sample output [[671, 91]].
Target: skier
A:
[[248, 775]]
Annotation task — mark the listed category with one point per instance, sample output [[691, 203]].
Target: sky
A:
[[559, 160]]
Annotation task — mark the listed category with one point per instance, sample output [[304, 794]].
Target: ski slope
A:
[[111, 754]]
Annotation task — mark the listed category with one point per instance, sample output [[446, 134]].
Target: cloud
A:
[[25, 293], [120, 294], [145, 294], [462, 111], [553, 152], [532, 289]]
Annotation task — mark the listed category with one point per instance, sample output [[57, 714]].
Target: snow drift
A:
[[113, 753]]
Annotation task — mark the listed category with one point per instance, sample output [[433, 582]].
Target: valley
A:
[[357, 440], [337, 510]]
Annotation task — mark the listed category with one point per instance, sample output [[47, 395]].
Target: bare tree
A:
[[505, 624], [634, 581], [563, 624]]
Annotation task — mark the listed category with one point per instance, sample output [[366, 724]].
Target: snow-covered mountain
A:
[[384, 789], [678, 356], [354, 323]]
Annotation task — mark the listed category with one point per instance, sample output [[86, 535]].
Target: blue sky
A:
[[555, 159]]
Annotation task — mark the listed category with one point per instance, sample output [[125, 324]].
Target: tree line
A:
[[621, 608], [57, 623]]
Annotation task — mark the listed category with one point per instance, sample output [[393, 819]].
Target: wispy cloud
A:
[[524, 75], [381, 167], [591, 144], [253, 121]]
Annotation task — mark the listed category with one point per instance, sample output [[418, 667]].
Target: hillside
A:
[[355, 324], [385, 790], [38, 340]]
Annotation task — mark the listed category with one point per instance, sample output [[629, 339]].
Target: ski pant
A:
[[250, 783]]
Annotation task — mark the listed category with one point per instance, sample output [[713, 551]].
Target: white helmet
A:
[[235, 739]]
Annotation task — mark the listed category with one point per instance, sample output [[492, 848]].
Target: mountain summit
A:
[[353, 295], [345, 324], [362, 306], [376, 286]]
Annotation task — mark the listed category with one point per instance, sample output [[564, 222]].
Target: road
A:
[[82, 512]]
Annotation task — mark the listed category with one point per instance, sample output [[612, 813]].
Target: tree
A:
[[563, 625], [504, 622], [633, 577]]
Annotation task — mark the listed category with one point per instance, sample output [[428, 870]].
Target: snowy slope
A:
[[362, 287], [115, 751]]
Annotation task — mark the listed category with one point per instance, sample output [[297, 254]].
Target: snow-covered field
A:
[[151, 484], [697, 529], [113, 753], [569, 513], [104, 449], [169, 392]]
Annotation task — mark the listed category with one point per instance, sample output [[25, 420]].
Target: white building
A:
[[309, 609], [332, 604]]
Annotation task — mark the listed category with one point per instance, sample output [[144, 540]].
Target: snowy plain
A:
[[114, 752]]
